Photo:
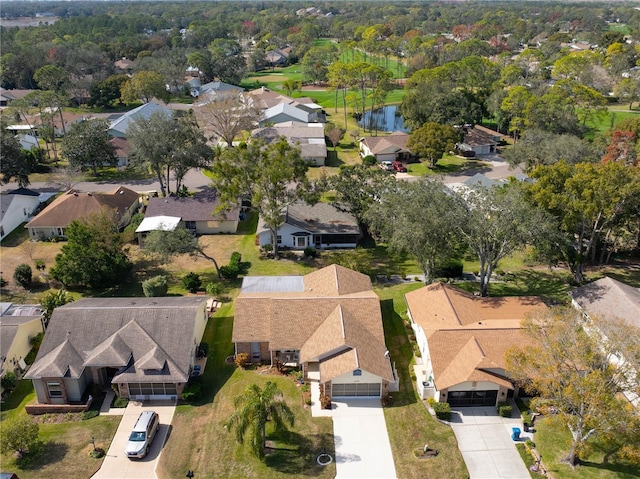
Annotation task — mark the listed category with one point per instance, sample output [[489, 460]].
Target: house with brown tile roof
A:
[[327, 322], [463, 340], [387, 148], [146, 347], [74, 205], [479, 141]]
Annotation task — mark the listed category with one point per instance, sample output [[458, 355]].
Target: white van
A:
[[142, 435]]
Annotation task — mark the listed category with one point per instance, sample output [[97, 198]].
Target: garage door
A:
[[472, 398], [356, 389]]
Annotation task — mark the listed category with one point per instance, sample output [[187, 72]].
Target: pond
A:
[[383, 119]]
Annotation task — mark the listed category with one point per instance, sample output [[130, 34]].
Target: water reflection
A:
[[384, 119]]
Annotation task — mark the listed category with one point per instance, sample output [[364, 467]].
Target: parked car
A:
[[386, 165], [142, 435], [399, 166]]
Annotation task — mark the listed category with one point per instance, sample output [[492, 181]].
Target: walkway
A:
[[484, 439], [360, 435]]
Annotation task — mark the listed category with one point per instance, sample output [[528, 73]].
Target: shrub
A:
[[156, 286], [310, 252], [242, 360], [215, 288], [231, 271], [3, 282], [431, 401], [530, 444], [235, 258], [504, 409], [369, 160], [9, 380], [90, 414], [450, 269], [325, 401], [192, 392], [442, 410], [40, 264], [192, 282], [120, 402], [23, 275]]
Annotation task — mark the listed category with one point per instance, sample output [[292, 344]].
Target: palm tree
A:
[[254, 407]]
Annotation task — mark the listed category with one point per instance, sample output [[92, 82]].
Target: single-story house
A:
[[17, 206], [309, 137], [146, 347], [463, 340], [327, 322], [285, 112], [7, 96], [197, 214], [392, 147], [124, 65], [119, 126], [19, 324], [320, 226], [276, 58], [122, 151], [215, 88], [73, 205], [478, 141]]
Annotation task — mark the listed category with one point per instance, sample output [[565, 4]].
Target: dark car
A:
[[398, 166]]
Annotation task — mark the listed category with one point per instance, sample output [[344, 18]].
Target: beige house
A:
[[327, 322], [387, 148], [463, 340], [19, 324], [74, 205], [146, 347]]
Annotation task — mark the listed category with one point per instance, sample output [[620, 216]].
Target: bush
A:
[[235, 258], [215, 288], [325, 401], [231, 271], [23, 275], [369, 160], [530, 444], [90, 414], [504, 409], [9, 380], [450, 269], [156, 286], [119, 402], [310, 252], [192, 282], [242, 360], [192, 392], [431, 401], [442, 410]]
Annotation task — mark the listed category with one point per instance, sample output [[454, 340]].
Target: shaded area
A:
[[296, 454]]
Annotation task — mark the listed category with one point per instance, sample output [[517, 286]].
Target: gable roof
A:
[[220, 86], [321, 218], [74, 205], [286, 109], [121, 124], [609, 298], [149, 339], [200, 207], [12, 318], [336, 319], [393, 143], [478, 137]]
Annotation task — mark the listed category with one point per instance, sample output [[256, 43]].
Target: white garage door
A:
[[355, 389]]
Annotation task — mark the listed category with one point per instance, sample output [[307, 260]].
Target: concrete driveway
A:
[[116, 465], [484, 439], [361, 440]]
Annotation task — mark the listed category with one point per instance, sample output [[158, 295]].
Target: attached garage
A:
[[356, 389], [473, 398], [145, 391]]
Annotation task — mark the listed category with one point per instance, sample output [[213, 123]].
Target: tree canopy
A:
[[432, 140], [87, 144]]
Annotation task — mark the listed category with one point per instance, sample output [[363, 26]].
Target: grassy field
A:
[[553, 441], [64, 440]]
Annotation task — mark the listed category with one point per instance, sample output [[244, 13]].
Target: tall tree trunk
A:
[[201, 252]]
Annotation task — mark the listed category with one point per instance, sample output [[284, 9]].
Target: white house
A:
[[17, 207]]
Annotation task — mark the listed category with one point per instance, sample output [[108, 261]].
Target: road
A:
[[498, 169]]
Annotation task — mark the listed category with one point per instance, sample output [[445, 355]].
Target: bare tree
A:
[[226, 115], [66, 177]]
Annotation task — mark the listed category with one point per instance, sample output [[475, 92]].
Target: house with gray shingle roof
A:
[[321, 226], [309, 137], [146, 347], [327, 322], [119, 126]]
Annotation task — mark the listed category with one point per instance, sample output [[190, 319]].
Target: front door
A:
[[255, 352]]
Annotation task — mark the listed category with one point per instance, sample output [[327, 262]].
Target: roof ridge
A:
[[455, 313]]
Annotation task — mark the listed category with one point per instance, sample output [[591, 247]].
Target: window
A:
[[301, 241], [1, 231], [190, 225], [357, 372], [279, 239], [55, 390]]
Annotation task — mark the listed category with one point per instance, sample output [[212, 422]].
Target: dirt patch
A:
[[27, 252], [314, 88]]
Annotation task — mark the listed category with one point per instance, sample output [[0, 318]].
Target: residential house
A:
[[7, 96], [327, 322], [122, 151], [309, 137], [463, 340], [145, 347], [283, 112], [479, 141], [392, 147], [321, 226], [74, 205], [120, 125], [123, 65], [19, 324], [215, 89], [276, 58], [198, 214], [18, 206]]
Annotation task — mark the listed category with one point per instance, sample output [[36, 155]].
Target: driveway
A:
[[484, 439], [361, 440], [116, 465]]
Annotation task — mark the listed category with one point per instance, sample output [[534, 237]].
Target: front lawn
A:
[[409, 424], [200, 442], [553, 441]]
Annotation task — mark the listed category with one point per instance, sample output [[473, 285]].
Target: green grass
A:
[[409, 425], [553, 441], [396, 67], [602, 124], [448, 164], [16, 237], [527, 459], [619, 27]]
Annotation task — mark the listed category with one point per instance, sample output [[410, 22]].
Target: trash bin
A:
[[515, 433]]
